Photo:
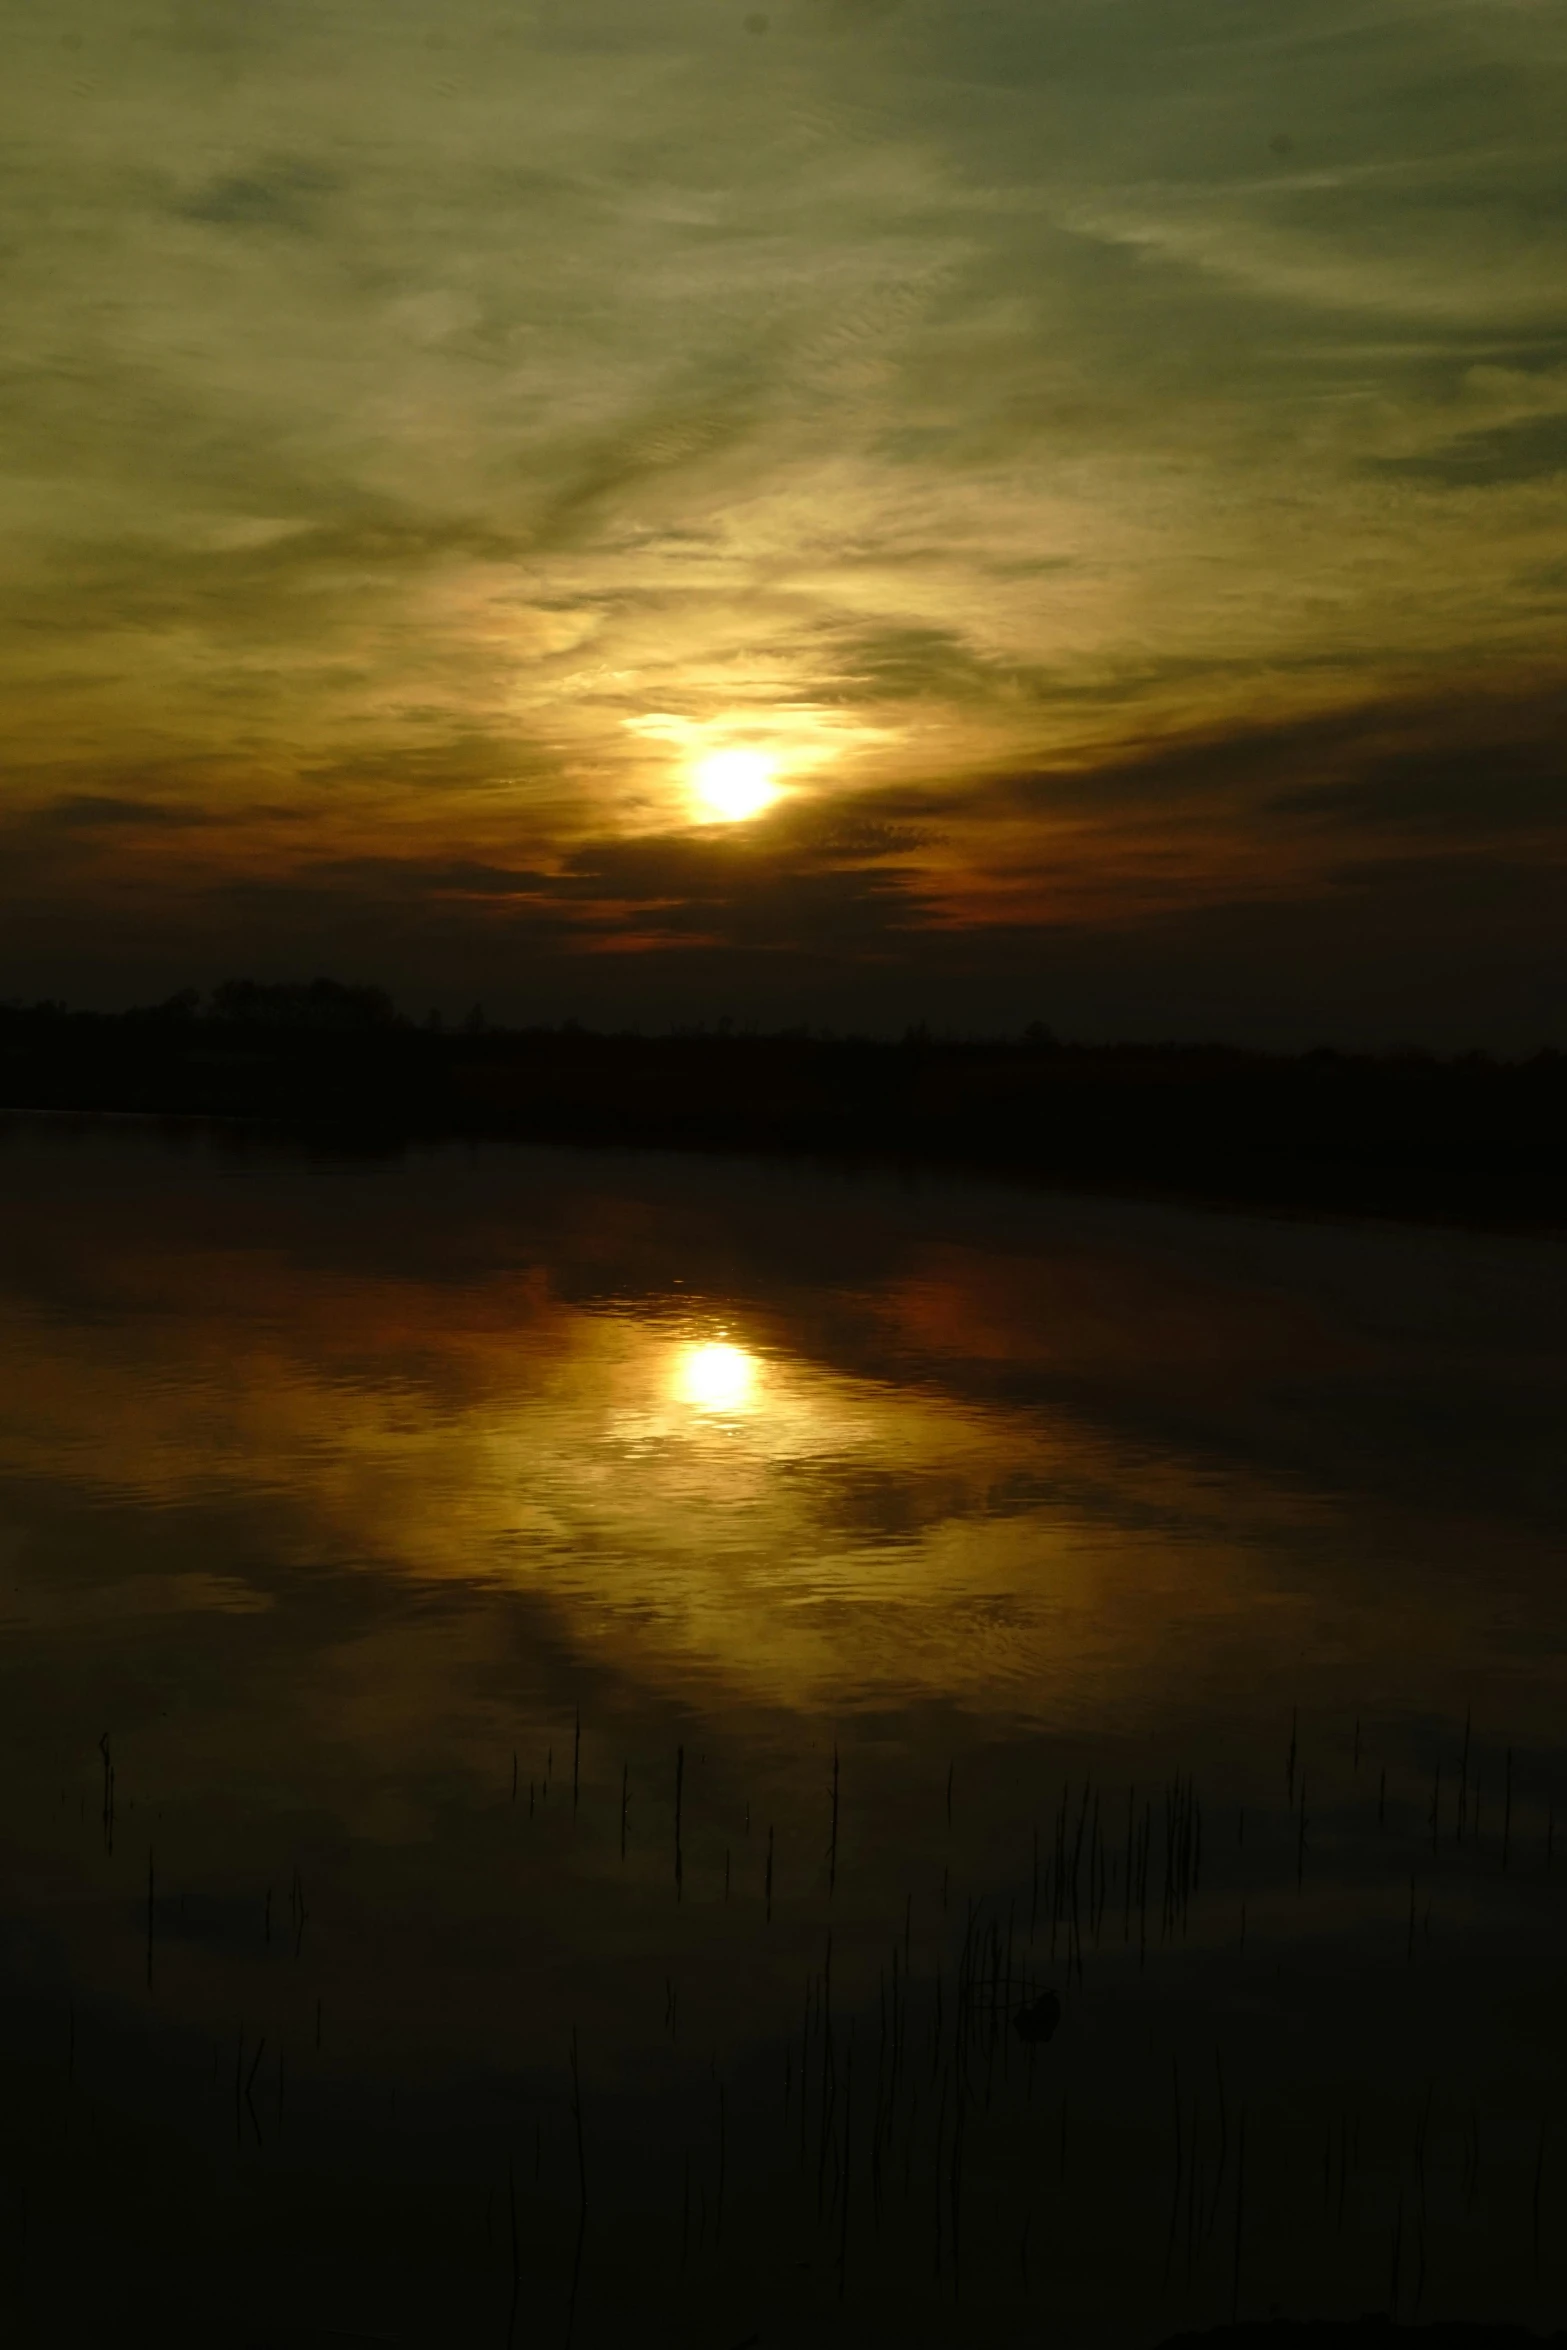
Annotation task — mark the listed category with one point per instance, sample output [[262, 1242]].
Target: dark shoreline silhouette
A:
[[1404, 1135], [1363, 2333]]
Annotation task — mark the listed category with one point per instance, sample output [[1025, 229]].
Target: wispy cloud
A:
[[1080, 440]]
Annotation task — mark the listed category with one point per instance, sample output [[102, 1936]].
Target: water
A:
[[1168, 1609]]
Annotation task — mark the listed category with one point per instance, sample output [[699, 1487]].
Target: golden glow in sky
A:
[[717, 1377], [732, 785], [475, 563]]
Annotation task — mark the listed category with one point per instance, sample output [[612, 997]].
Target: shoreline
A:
[[1472, 1143]]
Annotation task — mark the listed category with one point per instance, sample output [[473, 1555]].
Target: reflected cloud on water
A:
[[684, 1493], [1049, 1461]]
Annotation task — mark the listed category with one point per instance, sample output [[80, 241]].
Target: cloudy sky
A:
[[1089, 475]]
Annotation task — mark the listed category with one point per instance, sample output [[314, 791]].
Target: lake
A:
[[606, 1747]]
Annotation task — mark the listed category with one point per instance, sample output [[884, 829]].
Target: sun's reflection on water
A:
[[946, 1482], [717, 1377], [694, 1491]]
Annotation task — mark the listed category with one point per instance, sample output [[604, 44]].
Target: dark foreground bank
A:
[[1366, 2333], [1405, 1135]]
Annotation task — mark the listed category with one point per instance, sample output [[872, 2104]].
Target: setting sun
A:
[[734, 784]]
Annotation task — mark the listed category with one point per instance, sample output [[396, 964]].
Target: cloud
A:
[[1532, 449], [102, 812], [280, 192], [1460, 792], [927, 662]]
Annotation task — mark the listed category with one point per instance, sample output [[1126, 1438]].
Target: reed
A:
[[1095, 1874], [848, 2119], [1194, 2195], [516, 2261], [829, 2080], [956, 2187], [582, 2190], [1058, 1872], [1300, 1840], [1224, 2144], [1180, 2163], [1463, 1778], [250, 2082], [1075, 1947], [883, 2140], [832, 1846], [941, 2136], [878, 2101], [1240, 2209]]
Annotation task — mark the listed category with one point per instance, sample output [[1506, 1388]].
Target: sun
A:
[[734, 784]]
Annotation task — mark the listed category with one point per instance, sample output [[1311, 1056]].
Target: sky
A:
[[848, 511]]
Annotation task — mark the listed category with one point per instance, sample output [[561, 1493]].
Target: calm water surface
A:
[[556, 1707]]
